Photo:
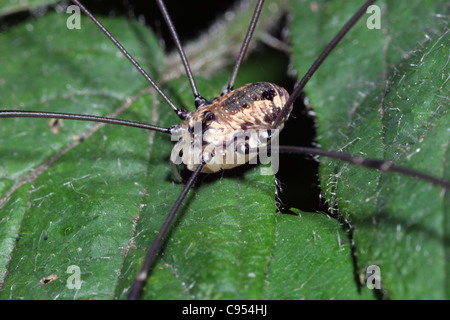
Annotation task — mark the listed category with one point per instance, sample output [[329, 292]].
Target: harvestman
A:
[[270, 115]]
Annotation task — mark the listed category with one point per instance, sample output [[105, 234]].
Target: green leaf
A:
[[95, 196], [384, 94], [311, 260], [13, 6], [68, 186]]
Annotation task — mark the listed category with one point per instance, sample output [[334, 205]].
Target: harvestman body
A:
[[248, 112], [259, 106]]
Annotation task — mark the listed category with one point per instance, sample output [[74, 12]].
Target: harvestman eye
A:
[[259, 106], [209, 116]]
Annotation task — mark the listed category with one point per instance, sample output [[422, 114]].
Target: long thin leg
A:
[[141, 278], [298, 89], [245, 44], [198, 100], [80, 117], [368, 163], [181, 113]]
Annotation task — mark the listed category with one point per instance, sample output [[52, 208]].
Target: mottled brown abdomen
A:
[[249, 111], [252, 105]]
